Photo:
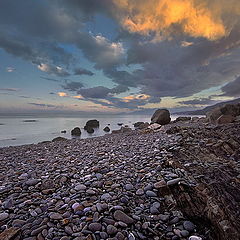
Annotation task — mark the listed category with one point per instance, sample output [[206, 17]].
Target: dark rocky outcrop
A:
[[161, 116], [92, 124], [224, 114], [76, 131], [89, 130], [106, 129]]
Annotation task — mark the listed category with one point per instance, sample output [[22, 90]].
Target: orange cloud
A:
[[133, 97], [78, 97], [62, 94], [197, 18]]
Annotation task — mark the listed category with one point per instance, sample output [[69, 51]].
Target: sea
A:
[[30, 129]]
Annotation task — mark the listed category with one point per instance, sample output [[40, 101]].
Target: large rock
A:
[[89, 130], [76, 131], [182, 119], [106, 129], [141, 125], [92, 124], [225, 119], [161, 116], [228, 110]]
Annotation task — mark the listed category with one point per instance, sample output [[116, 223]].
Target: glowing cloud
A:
[[136, 97], [62, 94], [196, 18], [78, 97]]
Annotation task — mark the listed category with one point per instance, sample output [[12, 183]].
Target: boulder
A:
[[138, 124], [58, 139], [231, 109], [225, 119], [106, 129], [161, 116], [89, 129], [182, 119], [144, 125], [228, 109], [92, 123], [64, 131], [76, 131]]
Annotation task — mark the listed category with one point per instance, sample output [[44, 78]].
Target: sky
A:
[[114, 56]]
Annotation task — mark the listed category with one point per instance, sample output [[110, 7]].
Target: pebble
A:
[[111, 230], [189, 226], [174, 181], [151, 194], [55, 216], [94, 227], [4, 216], [123, 217]]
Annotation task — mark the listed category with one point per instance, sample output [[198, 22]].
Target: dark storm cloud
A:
[[177, 67], [101, 92], [72, 86], [232, 89], [82, 71]]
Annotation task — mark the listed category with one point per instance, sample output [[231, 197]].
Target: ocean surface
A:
[[20, 130]]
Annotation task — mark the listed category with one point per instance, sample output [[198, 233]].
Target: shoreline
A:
[[142, 184]]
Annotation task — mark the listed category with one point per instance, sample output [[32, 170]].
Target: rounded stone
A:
[[3, 216], [94, 227], [189, 226], [111, 230]]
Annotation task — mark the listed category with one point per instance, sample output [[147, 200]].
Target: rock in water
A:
[[92, 124], [90, 130], [161, 116], [106, 129], [76, 131]]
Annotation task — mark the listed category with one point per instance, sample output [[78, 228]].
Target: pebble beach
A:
[[143, 184]]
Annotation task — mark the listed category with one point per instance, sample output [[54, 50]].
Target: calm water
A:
[[14, 131]]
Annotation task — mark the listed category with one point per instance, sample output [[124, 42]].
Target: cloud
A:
[[232, 88], [78, 97], [72, 86], [82, 71], [9, 89], [62, 94], [199, 101], [200, 18], [101, 92], [56, 70], [43, 105], [163, 48], [10, 69], [50, 79]]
